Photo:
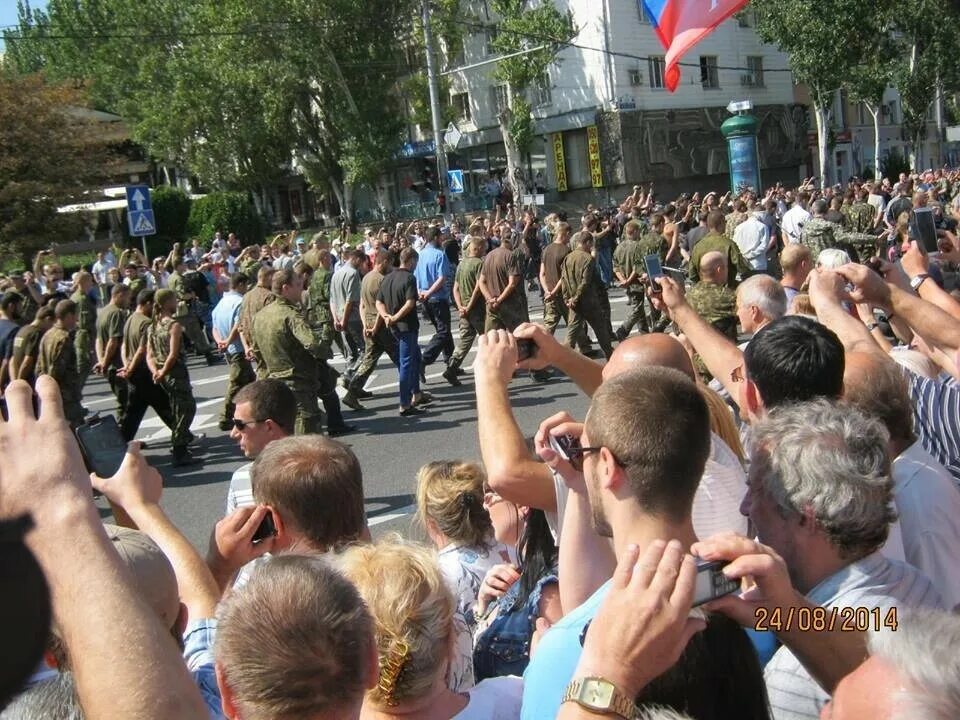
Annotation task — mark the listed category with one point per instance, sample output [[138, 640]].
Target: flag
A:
[[681, 24]]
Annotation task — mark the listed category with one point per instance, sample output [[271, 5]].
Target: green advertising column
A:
[[741, 134]]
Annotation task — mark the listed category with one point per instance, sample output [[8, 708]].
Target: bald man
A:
[[524, 481]]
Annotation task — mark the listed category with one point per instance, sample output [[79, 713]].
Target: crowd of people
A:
[[785, 422]]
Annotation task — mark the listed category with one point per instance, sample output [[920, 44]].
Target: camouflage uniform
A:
[[859, 217], [291, 352], [57, 358], [579, 282], [110, 326], [652, 243], [818, 235], [85, 335], [137, 285], [255, 300], [734, 219], [626, 259], [175, 383], [471, 324], [382, 341], [713, 242], [717, 305], [318, 310], [186, 317]]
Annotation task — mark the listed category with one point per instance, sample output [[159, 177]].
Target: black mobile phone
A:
[[654, 271], [102, 445], [267, 528], [923, 229], [525, 349], [711, 582], [561, 444]]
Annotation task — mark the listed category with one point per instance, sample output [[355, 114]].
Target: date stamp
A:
[[821, 619]]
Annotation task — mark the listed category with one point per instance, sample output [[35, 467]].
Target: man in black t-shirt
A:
[[397, 305]]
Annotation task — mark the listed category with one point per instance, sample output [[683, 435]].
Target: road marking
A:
[[395, 515]]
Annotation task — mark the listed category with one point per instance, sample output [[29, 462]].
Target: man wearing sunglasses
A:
[[265, 411]]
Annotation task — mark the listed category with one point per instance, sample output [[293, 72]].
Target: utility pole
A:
[[433, 82]]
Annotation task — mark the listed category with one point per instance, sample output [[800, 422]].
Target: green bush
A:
[[227, 212], [171, 207], [893, 164]]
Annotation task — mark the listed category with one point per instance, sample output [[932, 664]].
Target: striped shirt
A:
[[871, 582], [240, 493], [936, 418]]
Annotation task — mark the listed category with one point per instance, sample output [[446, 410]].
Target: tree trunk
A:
[[822, 114], [875, 114], [516, 174], [337, 189], [348, 204]]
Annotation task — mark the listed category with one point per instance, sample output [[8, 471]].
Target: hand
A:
[[338, 326], [547, 346], [231, 542], [41, 468], [123, 373], [572, 303], [915, 262], [390, 320], [251, 355], [496, 357], [222, 346], [97, 369], [158, 376], [556, 425], [868, 287], [644, 623], [496, 582], [826, 288], [134, 484], [671, 292], [368, 332], [754, 561]]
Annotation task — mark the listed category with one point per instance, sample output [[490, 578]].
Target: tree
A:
[[867, 84], [51, 155], [542, 29], [824, 41]]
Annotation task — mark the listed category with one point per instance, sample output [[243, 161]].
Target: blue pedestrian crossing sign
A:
[[455, 181], [140, 220]]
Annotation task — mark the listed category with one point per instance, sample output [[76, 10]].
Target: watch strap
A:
[[620, 705]]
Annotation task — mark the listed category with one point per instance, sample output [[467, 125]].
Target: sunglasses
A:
[[242, 425], [576, 455]]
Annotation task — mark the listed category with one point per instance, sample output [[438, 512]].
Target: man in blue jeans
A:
[[434, 276], [397, 305]]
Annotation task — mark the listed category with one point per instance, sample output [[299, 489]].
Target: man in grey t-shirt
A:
[[345, 306]]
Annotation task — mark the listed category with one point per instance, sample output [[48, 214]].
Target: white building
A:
[[611, 79]]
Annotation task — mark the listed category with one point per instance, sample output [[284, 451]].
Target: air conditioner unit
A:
[[746, 80], [636, 79]]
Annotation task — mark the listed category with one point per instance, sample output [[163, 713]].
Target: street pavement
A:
[[391, 449]]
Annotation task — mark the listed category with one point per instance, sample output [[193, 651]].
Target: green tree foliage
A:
[[171, 208], [51, 155], [824, 40], [227, 212]]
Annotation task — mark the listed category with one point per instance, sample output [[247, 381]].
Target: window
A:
[[499, 99], [642, 9], [754, 75], [461, 106], [746, 18], [541, 91], [656, 67], [709, 75], [489, 36], [635, 77]]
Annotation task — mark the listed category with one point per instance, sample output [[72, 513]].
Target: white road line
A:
[[395, 515]]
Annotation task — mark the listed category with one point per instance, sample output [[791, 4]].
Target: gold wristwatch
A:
[[600, 696]]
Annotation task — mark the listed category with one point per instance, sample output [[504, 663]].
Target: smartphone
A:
[[102, 445], [525, 349], [267, 529], [654, 270], [712, 583], [923, 229], [561, 444]]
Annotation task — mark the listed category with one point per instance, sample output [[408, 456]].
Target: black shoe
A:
[[425, 398], [461, 371], [423, 374], [351, 402], [184, 458], [212, 359], [338, 430], [225, 425], [197, 437], [621, 334], [450, 375], [362, 394], [412, 411]]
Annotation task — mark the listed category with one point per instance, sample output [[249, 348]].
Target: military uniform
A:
[[318, 311], [142, 391], [58, 358], [254, 301], [137, 285], [110, 324], [382, 341], [627, 258], [471, 324], [290, 351], [26, 343], [717, 305], [83, 338], [714, 242], [176, 383], [734, 219], [498, 267], [818, 235], [859, 217], [554, 308], [652, 243], [28, 308], [186, 317], [579, 278]]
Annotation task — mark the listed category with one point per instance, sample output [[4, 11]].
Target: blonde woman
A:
[[413, 612]]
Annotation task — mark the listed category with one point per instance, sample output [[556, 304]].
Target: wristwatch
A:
[[600, 696], [917, 281]]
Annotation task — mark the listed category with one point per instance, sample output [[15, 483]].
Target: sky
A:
[[8, 13]]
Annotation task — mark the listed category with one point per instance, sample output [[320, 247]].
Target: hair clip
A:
[[391, 670]]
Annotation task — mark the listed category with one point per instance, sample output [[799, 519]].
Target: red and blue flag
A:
[[681, 24]]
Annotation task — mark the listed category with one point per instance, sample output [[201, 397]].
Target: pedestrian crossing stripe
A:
[[143, 225]]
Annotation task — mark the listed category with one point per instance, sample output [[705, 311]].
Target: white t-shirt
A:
[[792, 220], [496, 698]]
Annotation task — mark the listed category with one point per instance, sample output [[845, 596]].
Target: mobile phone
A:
[[525, 349], [875, 265], [711, 582], [923, 229], [102, 445], [561, 444], [267, 528], [654, 270]]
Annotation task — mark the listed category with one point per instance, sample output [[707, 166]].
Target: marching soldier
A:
[[377, 337], [58, 359], [501, 283], [86, 332], [469, 299], [186, 298], [255, 300], [168, 364], [26, 346], [551, 260], [110, 324], [819, 233], [579, 279], [714, 301], [628, 267]]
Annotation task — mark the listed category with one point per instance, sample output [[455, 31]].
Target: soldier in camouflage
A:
[[714, 301], [86, 332], [716, 240], [628, 268], [860, 214], [57, 357], [818, 233], [470, 304], [653, 242], [736, 217], [579, 279], [253, 302], [186, 313]]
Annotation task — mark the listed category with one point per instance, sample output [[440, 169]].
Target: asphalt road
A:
[[391, 449]]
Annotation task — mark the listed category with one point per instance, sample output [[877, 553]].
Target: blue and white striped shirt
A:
[[936, 418]]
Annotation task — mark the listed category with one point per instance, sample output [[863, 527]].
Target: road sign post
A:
[[140, 219]]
